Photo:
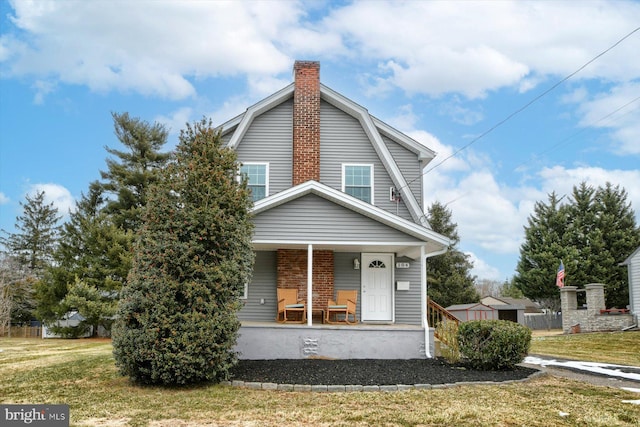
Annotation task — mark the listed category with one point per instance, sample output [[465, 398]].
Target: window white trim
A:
[[245, 295], [371, 172], [266, 173]]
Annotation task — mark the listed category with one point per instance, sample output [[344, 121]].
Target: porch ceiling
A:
[[400, 249]]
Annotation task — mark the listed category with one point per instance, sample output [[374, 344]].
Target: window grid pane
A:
[[257, 177], [358, 182]]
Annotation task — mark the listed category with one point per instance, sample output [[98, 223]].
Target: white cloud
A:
[[482, 270], [4, 199], [562, 181], [56, 194], [42, 89], [152, 48], [444, 154], [619, 111], [440, 47], [159, 48], [441, 70], [176, 120], [491, 215], [461, 114]]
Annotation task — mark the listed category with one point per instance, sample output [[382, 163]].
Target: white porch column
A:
[[423, 299], [309, 285]]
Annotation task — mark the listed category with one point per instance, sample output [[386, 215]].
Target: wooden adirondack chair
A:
[[288, 303], [345, 303]]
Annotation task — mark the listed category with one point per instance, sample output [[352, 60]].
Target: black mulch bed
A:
[[367, 372]]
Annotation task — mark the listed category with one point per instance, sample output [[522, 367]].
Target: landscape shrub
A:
[[493, 344], [447, 330], [177, 318]]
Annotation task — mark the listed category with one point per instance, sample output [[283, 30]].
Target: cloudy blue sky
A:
[[445, 73]]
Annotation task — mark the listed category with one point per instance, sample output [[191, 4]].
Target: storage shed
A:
[[513, 309], [473, 311], [70, 319]]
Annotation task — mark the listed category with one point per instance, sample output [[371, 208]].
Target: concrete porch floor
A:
[[271, 340]]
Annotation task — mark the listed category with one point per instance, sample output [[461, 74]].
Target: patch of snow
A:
[[598, 368], [563, 414], [633, 402], [631, 389]]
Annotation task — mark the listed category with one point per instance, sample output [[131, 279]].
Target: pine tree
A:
[[592, 234], [16, 293], [621, 236], [542, 251], [177, 319], [131, 172], [37, 235], [449, 279], [585, 236], [93, 252], [94, 257], [29, 252], [509, 289]]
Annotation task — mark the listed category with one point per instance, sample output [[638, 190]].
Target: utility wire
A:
[[525, 106], [563, 141], [591, 124]]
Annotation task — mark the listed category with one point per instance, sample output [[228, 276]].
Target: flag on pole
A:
[[560, 275]]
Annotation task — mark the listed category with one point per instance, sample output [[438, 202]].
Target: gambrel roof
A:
[[373, 127]]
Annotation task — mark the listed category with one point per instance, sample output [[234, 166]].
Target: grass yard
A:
[[81, 373], [621, 348]]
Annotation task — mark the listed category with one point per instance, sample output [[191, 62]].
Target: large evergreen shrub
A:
[[493, 344], [177, 320]]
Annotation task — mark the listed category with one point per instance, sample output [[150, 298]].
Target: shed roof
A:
[[470, 307]]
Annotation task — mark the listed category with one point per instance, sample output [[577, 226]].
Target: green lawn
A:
[[610, 347], [81, 373]]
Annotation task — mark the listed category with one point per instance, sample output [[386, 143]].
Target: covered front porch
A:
[[270, 340], [317, 241]]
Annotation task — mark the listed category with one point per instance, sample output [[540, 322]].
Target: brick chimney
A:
[[306, 122]]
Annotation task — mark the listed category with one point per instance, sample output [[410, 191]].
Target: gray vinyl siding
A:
[[410, 167], [226, 137], [269, 139], [344, 276], [343, 140], [312, 218], [634, 284], [263, 285], [408, 302]]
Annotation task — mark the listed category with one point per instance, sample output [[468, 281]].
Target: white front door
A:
[[377, 287]]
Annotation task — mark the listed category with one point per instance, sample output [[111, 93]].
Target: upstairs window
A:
[[258, 179], [357, 181]]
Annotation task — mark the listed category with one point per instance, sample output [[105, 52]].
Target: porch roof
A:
[[409, 236]]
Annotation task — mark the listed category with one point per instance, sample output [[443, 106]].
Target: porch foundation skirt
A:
[[263, 341]]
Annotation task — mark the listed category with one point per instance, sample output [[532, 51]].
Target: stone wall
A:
[[590, 319]]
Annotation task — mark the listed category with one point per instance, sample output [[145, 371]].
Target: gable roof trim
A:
[[424, 153], [370, 124], [352, 203], [255, 110], [365, 119], [630, 257]]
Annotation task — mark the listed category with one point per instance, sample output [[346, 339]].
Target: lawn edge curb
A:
[[388, 388]]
